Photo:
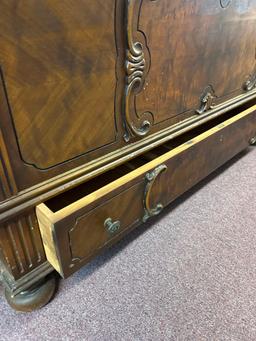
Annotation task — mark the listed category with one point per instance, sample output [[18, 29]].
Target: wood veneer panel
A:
[[195, 45], [84, 84], [58, 60]]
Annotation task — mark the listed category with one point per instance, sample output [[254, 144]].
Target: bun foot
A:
[[34, 298]]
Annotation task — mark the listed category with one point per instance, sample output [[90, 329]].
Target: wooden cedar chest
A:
[[109, 110]]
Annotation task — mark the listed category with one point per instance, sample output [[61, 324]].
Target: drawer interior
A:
[[77, 224], [59, 202]]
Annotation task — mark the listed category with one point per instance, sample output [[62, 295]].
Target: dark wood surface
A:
[[80, 79], [86, 85], [21, 248], [89, 233], [194, 45], [73, 234]]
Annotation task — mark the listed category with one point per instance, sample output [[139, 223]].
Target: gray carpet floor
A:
[[189, 274]]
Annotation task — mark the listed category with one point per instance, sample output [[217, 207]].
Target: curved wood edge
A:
[[137, 65]]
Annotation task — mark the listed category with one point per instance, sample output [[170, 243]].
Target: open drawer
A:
[[77, 224]]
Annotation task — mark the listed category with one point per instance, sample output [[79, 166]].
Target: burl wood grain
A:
[[58, 61], [194, 44], [86, 82]]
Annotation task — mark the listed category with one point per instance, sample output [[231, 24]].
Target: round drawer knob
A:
[[112, 226]]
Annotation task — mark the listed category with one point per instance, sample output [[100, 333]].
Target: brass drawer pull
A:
[[150, 179], [112, 227]]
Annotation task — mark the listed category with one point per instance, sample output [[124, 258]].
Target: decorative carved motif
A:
[[253, 141], [206, 100], [136, 67], [225, 3], [21, 246], [7, 181], [150, 179], [250, 84]]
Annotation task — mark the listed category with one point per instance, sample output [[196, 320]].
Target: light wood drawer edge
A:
[[144, 169], [47, 218], [44, 216]]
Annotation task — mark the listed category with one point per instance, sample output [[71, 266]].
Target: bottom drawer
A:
[[77, 224]]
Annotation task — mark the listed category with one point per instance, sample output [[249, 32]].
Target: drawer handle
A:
[[112, 227], [150, 179]]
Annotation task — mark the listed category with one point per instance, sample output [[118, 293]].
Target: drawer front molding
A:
[[98, 227], [136, 67]]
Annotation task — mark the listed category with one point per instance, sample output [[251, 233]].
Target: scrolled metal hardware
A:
[[250, 84], [225, 3], [136, 67], [150, 180], [112, 227], [206, 100]]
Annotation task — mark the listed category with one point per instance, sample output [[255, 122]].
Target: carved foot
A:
[[34, 298], [253, 141]]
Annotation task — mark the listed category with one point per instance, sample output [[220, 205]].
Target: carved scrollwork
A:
[[206, 100], [225, 3], [136, 67], [250, 84], [150, 180]]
